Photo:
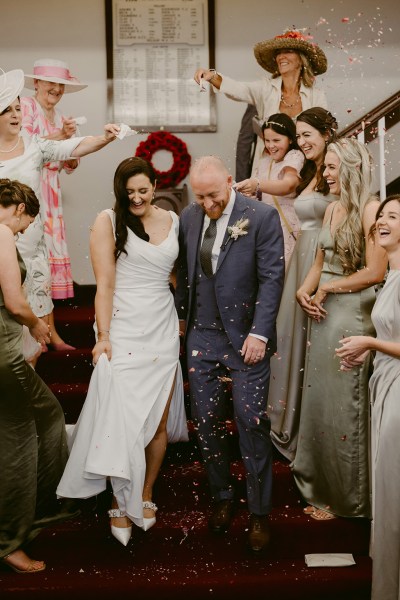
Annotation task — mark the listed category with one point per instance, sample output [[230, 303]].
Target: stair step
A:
[[75, 324], [72, 366], [186, 486], [287, 527], [179, 559], [71, 397]]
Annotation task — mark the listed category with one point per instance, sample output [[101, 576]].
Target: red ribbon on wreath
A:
[[163, 140]]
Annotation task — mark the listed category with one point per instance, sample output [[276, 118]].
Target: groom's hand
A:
[[253, 350]]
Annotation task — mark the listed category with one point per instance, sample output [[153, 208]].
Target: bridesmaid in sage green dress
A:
[[287, 364], [384, 389], [331, 464], [33, 447], [315, 127]]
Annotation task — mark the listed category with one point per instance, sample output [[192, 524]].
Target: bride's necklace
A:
[[11, 149], [290, 105]]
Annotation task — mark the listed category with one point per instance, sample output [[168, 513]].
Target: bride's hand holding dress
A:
[[101, 347]]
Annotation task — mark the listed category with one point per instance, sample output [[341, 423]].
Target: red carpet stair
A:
[[179, 558]]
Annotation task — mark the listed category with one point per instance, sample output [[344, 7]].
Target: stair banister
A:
[[374, 125], [382, 166]]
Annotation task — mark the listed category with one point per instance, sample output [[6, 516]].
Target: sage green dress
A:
[[33, 447], [331, 466], [385, 455], [287, 364]]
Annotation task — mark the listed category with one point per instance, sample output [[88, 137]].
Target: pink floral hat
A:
[[48, 69]]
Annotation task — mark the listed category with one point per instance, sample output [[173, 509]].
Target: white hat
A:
[[48, 69], [11, 84]]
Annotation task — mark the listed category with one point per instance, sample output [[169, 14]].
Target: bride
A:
[[135, 398]]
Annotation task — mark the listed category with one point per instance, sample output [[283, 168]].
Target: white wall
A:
[[364, 69]]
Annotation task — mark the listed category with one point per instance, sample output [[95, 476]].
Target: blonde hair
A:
[[306, 74], [355, 177]]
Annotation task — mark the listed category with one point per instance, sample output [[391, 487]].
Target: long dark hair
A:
[[284, 125], [324, 122], [13, 192], [372, 230], [124, 219]]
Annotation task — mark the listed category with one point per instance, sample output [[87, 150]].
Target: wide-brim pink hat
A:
[[11, 85], [48, 69], [293, 40]]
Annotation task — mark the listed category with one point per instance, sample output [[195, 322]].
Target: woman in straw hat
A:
[[50, 80], [22, 158], [294, 61]]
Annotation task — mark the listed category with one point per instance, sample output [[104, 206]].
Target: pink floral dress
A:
[[267, 167], [35, 122]]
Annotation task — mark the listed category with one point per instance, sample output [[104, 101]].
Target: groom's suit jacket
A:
[[250, 271]]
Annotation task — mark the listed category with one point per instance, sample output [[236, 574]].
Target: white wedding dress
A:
[[127, 396]]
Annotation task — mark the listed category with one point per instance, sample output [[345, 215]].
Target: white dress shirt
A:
[[222, 224]]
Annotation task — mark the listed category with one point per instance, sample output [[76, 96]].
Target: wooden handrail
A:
[[370, 119]]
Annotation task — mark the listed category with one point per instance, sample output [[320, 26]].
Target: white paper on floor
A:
[[329, 560]]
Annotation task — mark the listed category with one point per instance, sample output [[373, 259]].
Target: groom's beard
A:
[[215, 213]]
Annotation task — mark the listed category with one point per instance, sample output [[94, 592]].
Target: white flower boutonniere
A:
[[238, 229]]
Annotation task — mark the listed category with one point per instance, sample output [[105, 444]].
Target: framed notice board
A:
[[153, 50]]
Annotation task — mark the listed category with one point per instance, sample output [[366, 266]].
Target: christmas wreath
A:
[[162, 140]]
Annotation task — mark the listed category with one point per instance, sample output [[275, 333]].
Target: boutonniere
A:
[[237, 230]]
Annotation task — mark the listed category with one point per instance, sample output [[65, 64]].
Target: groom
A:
[[230, 278]]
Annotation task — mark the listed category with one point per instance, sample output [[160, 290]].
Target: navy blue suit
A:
[[242, 297]]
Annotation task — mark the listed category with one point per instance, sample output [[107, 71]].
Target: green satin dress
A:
[[292, 324], [33, 446], [331, 466]]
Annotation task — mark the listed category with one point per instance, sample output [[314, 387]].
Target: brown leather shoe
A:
[[259, 534], [222, 516]]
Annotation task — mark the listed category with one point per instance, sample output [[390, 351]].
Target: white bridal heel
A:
[[147, 523], [122, 534]]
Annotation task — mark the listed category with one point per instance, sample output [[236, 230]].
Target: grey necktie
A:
[[207, 246]]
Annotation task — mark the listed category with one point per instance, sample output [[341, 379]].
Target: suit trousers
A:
[[211, 359]]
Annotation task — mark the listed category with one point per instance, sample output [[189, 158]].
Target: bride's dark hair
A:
[[123, 217]]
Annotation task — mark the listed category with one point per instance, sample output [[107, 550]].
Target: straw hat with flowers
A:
[[292, 40]]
